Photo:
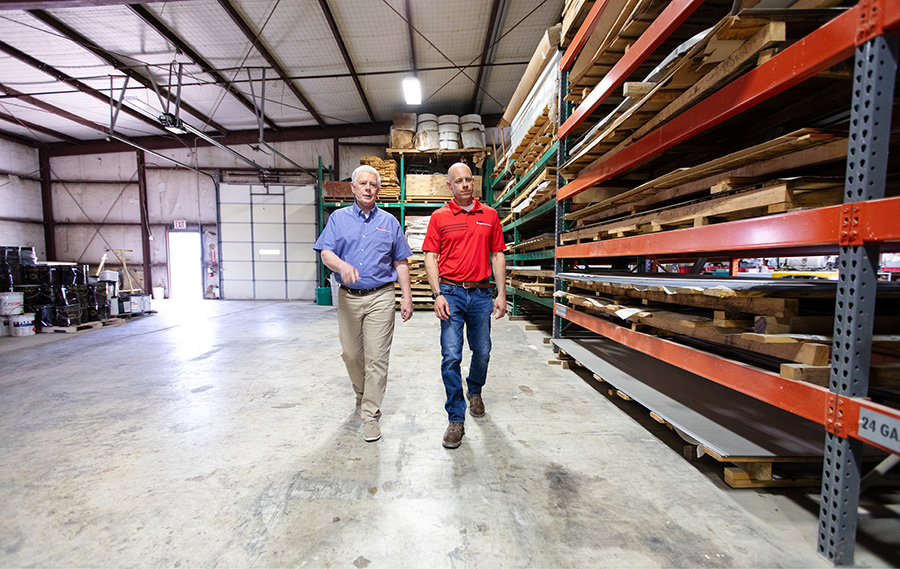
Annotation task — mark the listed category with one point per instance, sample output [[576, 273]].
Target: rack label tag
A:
[[560, 310], [879, 429]]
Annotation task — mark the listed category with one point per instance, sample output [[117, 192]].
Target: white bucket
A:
[[12, 303], [109, 276], [471, 122], [427, 140], [21, 324], [425, 118], [159, 293], [472, 139], [448, 119], [449, 141]]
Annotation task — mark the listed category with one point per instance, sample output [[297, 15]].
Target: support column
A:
[[562, 155], [145, 221], [873, 90], [47, 205]]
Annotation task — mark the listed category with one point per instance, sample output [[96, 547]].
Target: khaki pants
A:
[[366, 327]]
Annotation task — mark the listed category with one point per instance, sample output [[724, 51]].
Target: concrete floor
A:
[[224, 436]]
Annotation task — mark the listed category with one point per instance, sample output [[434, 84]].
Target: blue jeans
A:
[[469, 308]]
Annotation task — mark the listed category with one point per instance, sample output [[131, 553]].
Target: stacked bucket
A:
[[16, 318], [427, 136], [449, 132], [47, 294]]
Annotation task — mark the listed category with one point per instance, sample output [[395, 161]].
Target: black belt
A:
[[365, 291], [469, 284]]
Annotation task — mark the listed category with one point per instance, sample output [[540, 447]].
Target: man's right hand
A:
[[349, 274], [442, 308]]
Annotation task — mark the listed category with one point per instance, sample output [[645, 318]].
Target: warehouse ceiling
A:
[[72, 69]]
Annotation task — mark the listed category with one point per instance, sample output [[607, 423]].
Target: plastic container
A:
[[21, 324], [12, 303], [323, 296], [449, 141]]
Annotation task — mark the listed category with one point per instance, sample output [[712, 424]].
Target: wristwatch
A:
[[434, 295]]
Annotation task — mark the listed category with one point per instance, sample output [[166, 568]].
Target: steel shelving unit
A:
[[858, 230]]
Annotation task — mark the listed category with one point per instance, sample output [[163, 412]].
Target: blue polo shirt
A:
[[370, 243]]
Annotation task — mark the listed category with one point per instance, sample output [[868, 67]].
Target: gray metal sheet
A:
[[729, 423], [760, 284]]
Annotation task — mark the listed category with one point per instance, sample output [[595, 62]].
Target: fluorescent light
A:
[[412, 91], [270, 252]]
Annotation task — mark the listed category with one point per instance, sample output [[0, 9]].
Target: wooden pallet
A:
[[777, 196], [82, 327]]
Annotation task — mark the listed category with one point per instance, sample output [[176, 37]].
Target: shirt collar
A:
[[454, 207], [357, 212]]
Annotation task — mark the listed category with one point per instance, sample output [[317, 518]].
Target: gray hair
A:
[[365, 168]]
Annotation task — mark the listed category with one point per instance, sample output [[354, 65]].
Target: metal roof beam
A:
[[51, 4], [329, 17], [412, 44], [38, 128], [19, 140], [488, 44], [250, 137], [115, 62], [62, 77], [154, 22], [239, 21]]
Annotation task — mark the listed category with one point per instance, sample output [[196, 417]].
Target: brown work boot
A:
[[453, 435], [476, 405]]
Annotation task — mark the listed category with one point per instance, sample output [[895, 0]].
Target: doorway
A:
[[185, 266]]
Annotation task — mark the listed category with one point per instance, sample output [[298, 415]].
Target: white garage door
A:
[[267, 238]]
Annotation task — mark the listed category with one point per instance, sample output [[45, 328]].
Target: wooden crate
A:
[[423, 186]]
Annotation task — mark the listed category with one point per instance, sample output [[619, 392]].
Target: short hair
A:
[[365, 168], [454, 166]]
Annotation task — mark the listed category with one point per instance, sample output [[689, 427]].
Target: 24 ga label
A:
[[880, 429]]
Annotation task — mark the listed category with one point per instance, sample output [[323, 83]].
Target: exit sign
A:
[[180, 224]]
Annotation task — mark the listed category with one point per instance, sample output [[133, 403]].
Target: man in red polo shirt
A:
[[463, 243]]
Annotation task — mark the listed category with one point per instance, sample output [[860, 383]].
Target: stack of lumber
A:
[[697, 68], [535, 281], [786, 327], [538, 138], [573, 14], [421, 291], [387, 169]]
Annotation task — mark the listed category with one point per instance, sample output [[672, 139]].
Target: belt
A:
[[365, 291], [469, 284]]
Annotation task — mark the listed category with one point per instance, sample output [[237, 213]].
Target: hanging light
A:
[[412, 91]]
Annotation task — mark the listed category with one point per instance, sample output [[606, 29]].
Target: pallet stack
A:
[[387, 169]]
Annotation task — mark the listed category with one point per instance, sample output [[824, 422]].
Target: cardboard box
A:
[[405, 121], [402, 138]]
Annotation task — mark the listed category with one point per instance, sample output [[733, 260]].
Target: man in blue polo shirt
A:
[[366, 249]]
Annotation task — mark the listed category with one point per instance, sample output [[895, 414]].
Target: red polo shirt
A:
[[464, 240]]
